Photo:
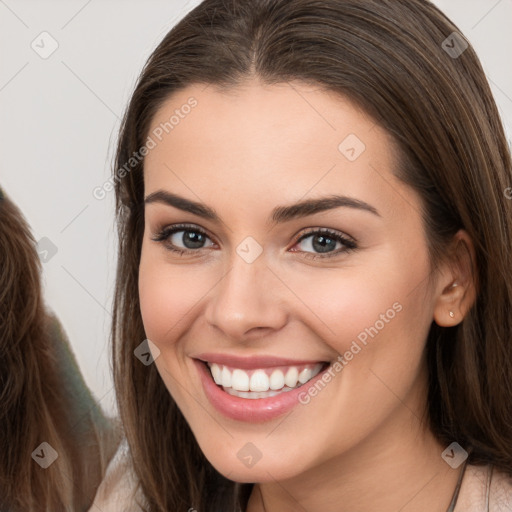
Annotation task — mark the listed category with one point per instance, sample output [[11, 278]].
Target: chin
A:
[[245, 464]]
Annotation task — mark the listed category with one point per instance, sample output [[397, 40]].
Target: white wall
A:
[[58, 122]]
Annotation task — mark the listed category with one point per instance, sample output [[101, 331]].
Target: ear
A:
[[456, 286]]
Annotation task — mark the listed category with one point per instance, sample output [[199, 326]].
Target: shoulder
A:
[[119, 491], [485, 488], [501, 492]]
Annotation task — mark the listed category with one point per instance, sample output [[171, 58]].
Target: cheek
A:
[[377, 310], [171, 296], [345, 303], [166, 295]]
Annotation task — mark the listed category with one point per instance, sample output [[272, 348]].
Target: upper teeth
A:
[[263, 379]]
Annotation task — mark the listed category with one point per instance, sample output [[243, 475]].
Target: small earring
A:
[[452, 314]]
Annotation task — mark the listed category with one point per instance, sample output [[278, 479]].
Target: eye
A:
[[324, 243], [183, 238], [315, 243]]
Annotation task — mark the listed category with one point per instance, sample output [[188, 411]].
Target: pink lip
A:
[[251, 410], [252, 363]]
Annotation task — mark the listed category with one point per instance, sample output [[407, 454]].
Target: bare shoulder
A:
[[119, 492], [485, 488]]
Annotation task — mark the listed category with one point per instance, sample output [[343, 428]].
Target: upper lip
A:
[[253, 362]]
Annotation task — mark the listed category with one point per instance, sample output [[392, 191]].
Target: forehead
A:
[[270, 143]]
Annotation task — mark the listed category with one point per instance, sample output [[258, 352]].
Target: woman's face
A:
[[276, 282]]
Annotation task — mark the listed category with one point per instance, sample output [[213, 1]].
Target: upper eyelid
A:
[[176, 228], [190, 227], [340, 234]]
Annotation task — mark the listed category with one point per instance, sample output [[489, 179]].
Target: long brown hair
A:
[[393, 59], [37, 403]]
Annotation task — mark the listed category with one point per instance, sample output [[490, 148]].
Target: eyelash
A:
[[164, 234]]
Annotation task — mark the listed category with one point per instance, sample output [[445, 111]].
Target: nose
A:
[[248, 302]]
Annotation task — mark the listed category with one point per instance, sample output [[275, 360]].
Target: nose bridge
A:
[[247, 297]]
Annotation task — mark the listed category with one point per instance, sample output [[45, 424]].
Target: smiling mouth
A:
[[263, 382]]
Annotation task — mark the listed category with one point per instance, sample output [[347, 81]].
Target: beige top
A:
[[483, 488], [118, 491]]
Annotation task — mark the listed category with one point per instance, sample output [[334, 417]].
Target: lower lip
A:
[[251, 410]]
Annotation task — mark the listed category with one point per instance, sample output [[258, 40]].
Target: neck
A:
[[396, 469]]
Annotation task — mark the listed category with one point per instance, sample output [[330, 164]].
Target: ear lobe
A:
[[457, 283]]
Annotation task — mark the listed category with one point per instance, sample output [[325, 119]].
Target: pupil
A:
[[192, 239], [323, 243]]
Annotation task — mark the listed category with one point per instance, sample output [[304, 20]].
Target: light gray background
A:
[[59, 118]]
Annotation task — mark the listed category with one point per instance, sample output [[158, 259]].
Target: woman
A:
[[55, 440], [314, 252]]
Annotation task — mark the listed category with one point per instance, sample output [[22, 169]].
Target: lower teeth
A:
[[255, 394]]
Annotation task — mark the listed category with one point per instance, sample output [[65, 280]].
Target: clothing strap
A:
[[488, 490], [451, 507]]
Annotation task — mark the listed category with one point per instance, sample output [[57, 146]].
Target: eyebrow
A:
[[280, 214]]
